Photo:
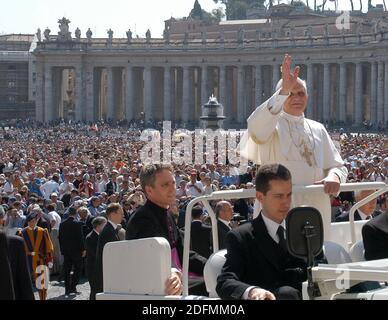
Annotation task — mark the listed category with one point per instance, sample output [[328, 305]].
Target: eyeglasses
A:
[[301, 94]]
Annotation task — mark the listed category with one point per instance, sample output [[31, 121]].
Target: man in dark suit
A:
[[200, 233], [72, 243], [258, 265], [375, 237], [91, 251], [111, 186], [114, 214], [86, 219], [366, 212], [20, 272], [15, 276], [6, 283], [153, 220], [224, 214]]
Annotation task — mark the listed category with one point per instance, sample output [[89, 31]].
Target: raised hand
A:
[[289, 77]]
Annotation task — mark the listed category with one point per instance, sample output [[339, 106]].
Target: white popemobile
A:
[[143, 278]]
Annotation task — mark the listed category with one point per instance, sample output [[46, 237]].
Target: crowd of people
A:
[[49, 174]]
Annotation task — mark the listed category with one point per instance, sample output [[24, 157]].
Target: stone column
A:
[[310, 102], [185, 95], [89, 79], [386, 95], [204, 93], [110, 114], [78, 93], [222, 86], [342, 93], [241, 118], [373, 80], [48, 94], [275, 76], [39, 106], [358, 118], [167, 94], [380, 93], [147, 93], [129, 105], [258, 86], [326, 93]]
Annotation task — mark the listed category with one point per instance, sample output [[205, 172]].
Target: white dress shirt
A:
[[362, 215]]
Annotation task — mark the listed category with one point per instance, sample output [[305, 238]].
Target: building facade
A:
[[169, 78], [15, 77]]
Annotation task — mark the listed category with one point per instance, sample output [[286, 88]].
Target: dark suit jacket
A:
[[241, 207], [19, 267], [150, 221], [222, 232], [110, 188], [246, 177], [91, 253], [200, 238], [255, 259], [108, 234], [87, 226], [375, 237], [71, 238], [345, 216], [6, 283]]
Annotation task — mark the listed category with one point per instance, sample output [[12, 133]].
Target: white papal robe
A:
[[274, 136]]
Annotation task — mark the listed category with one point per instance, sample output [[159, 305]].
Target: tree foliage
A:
[[198, 13], [236, 9]]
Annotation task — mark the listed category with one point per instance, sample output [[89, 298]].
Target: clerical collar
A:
[[292, 118], [155, 207]]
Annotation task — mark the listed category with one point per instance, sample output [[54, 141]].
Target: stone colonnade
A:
[[345, 92]]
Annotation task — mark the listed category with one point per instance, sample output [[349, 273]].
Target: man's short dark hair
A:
[[270, 172], [148, 173], [72, 211], [98, 221], [113, 207], [50, 207], [196, 212]]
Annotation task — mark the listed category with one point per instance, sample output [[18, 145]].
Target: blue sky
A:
[[25, 16]]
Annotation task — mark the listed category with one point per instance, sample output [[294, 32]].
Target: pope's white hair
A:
[[301, 81], [359, 193]]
